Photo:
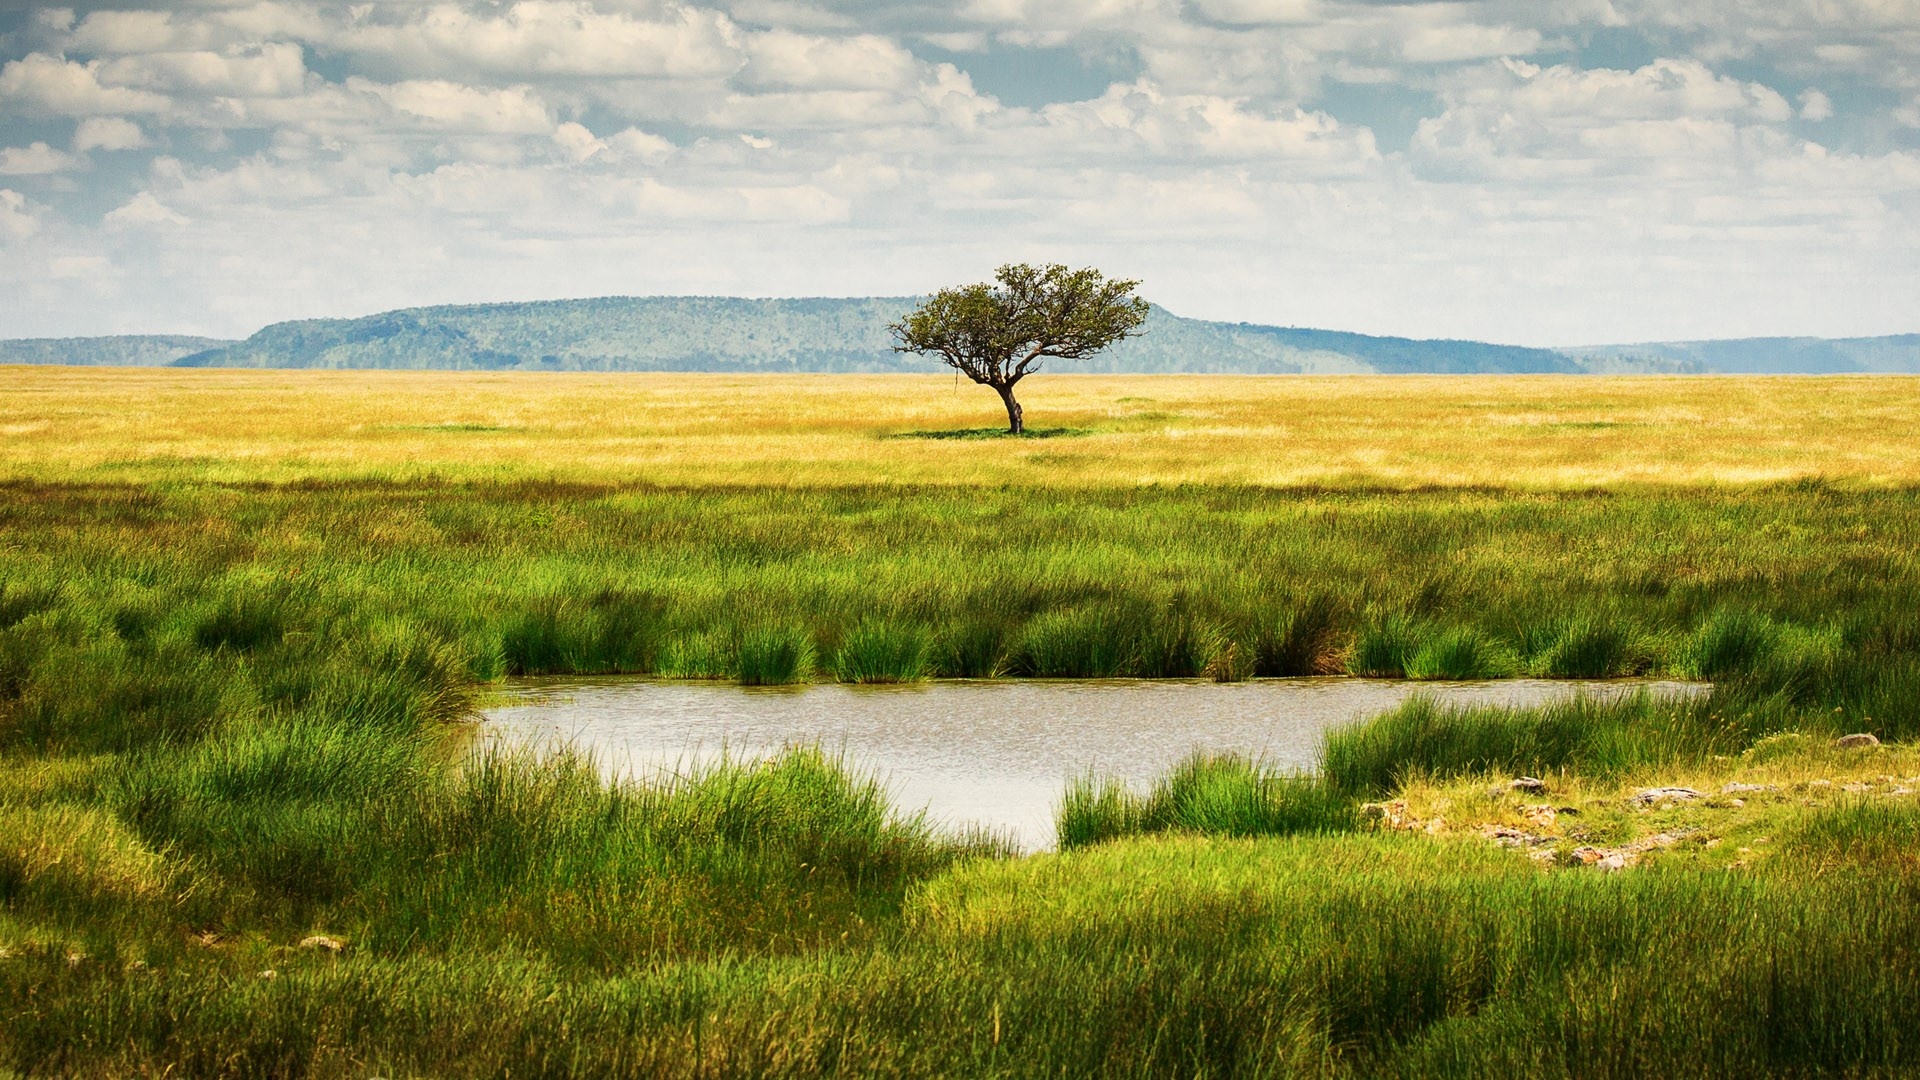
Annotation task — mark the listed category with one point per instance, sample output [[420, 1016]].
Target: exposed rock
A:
[[1395, 815], [1540, 817], [1625, 855], [1856, 740], [1665, 794], [269, 974], [1532, 785], [1732, 788], [1383, 811], [323, 941], [1508, 836]]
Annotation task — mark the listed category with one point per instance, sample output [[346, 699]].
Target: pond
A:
[[990, 753]]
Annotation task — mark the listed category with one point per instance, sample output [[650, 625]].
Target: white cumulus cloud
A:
[[108, 133], [550, 37], [37, 159], [144, 210], [56, 85], [17, 218]]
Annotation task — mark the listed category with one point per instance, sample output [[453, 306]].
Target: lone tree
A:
[[998, 334]]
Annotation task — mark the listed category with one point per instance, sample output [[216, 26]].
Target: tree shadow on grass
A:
[[992, 433]]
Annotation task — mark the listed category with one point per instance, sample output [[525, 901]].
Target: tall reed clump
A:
[[1795, 662], [1423, 738], [1383, 647], [775, 656], [1177, 644], [1215, 794], [884, 652], [1592, 647], [1307, 641], [976, 648], [708, 654], [1080, 643], [608, 631], [1460, 653]]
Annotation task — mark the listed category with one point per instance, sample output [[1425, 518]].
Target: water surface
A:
[[992, 753]]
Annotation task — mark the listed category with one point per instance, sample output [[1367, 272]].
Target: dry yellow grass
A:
[[1524, 431]]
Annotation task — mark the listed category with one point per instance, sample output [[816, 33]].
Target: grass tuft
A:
[[1082, 643], [1460, 653], [884, 652], [1423, 738], [775, 656], [1383, 648], [1217, 794], [1590, 647]]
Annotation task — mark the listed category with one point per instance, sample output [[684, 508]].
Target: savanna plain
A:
[[246, 619]]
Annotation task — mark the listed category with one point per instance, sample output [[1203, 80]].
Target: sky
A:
[[1523, 171]]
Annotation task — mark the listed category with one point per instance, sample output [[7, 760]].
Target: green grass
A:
[[1345, 956], [775, 656], [1591, 646], [878, 652], [229, 722], [1460, 653], [1219, 795], [1423, 739]]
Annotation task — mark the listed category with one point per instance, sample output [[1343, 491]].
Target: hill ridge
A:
[[848, 334]]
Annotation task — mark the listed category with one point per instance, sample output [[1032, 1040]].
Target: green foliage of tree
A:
[[997, 333]]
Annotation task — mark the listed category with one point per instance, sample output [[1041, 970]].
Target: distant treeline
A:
[[733, 334], [131, 350]]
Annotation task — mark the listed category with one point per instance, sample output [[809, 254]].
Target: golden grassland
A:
[[1539, 432], [233, 841]]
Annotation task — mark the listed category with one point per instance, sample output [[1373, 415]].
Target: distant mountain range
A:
[[689, 333], [138, 350]]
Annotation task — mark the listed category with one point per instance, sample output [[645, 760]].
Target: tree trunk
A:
[[1015, 424]]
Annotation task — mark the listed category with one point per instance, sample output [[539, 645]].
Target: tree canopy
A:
[[997, 333]]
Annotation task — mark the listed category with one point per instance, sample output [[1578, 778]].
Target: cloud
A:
[[144, 210], [54, 85], [865, 61], [137, 32], [577, 142], [453, 107], [17, 218], [1262, 12], [1462, 166], [634, 143], [1468, 41], [1513, 119], [551, 38], [1142, 118], [90, 269], [274, 69], [108, 133], [39, 159]]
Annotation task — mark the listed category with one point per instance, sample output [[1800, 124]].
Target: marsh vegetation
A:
[[238, 841]]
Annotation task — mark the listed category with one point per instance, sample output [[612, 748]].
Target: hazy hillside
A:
[[138, 350], [732, 334], [696, 333], [1895, 353]]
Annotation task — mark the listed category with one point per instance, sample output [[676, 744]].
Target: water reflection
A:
[[989, 753]]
